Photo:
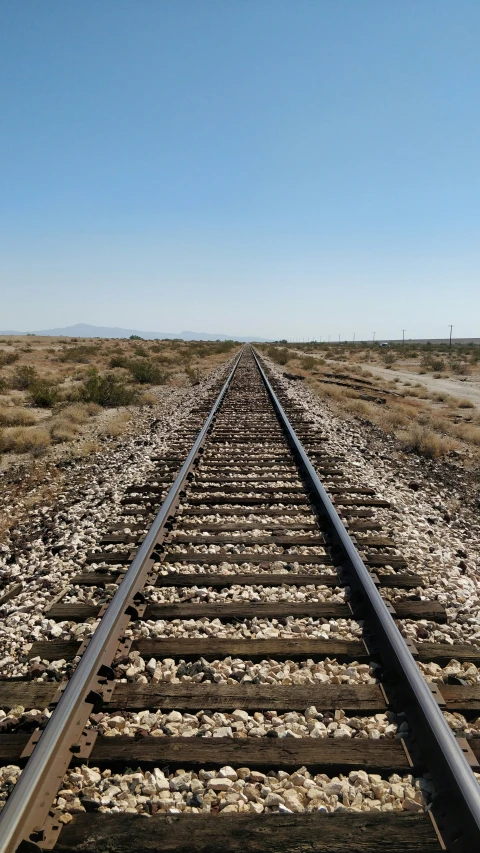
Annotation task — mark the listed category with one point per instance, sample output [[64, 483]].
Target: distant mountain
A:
[[84, 330]]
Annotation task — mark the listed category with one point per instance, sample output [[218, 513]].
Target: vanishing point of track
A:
[[258, 473]]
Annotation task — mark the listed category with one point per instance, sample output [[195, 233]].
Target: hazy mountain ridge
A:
[[85, 330]]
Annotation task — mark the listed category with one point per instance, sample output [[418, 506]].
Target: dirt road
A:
[[469, 389]]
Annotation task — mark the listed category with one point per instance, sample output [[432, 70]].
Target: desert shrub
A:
[[8, 358], [360, 408], [425, 442], [118, 361], [460, 368], [392, 419], [148, 399], [467, 432], [194, 375], [146, 372], [223, 346], [465, 404], [277, 354], [308, 362], [16, 416], [332, 391], [63, 430], [23, 377], [420, 392], [116, 426], [107, 390], [79, 413], [24, 439], [429, 362], [43, 393], [86, 448], [80, 354]]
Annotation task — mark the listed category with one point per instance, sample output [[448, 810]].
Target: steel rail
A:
[[457, 812], [35, 788]]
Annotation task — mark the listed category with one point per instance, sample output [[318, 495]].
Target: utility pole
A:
[[339, 339], [403, 336], [354, 337], [373, 340], [329, 339], [451, 327]]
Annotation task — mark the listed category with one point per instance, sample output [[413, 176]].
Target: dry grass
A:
[[426, 442], [16, 416], [24, 440], [86, 448], [79, 413], [148, 398], [333, 391], [425, 422], [63, 430], [467, 432], [116, 426], [65, 366], [360, 408], [393, 419]]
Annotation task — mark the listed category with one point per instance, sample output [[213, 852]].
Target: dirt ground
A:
[[426, 398], [59, 395], [468, 387]]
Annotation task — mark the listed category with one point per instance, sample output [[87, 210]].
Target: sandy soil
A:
[[468, 388]]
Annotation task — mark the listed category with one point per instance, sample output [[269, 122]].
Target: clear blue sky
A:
[[292, 168]]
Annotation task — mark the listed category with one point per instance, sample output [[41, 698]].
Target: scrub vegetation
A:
[[430, 423], [54, 390]]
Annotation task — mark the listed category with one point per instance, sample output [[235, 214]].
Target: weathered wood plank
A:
[[136, 697], [191, 556], [124, 557], [294, 488], [213, 649], [460, 698], [26, 693], [223, 526], [218, 581], [442, 653], [178, 538], [330, 755], [245, 833], [341, 501], [109, 557], [292, 649], [254, 557], [365, 698], [201, 508], [242, 500], [431, 610]]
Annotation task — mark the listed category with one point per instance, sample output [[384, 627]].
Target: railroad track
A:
[[246, 592]]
